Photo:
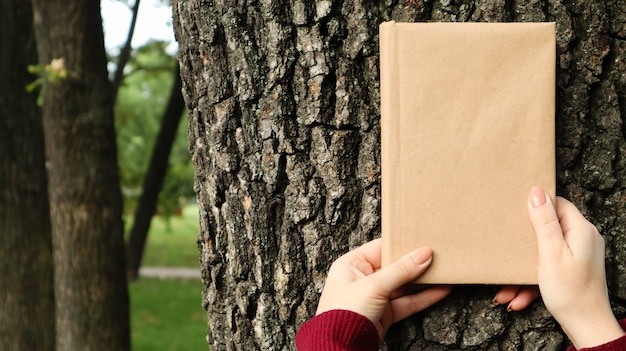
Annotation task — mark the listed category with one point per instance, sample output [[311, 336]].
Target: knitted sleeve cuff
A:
[[618, 344], [338, 330]]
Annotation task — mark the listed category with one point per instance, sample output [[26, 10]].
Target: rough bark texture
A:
[[26, 280], [85, 196], [284, 134]]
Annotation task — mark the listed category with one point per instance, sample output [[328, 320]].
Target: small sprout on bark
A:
[[52, 73]]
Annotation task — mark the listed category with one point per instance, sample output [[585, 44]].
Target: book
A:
[[467, 128]]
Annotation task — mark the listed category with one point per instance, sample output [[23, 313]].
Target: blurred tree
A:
[[284, 134], [153, 181], [77, 105], [141, 82], [27, 320], [146, 99], [85, 198], [125, 52]]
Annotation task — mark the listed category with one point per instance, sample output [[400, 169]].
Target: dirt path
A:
[[170, 272]]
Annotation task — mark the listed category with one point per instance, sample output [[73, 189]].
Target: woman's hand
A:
[[357, 283], [572, 277], [517, 297]]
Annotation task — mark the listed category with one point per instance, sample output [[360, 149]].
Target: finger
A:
[[402, 271], [524, 298], [578, 231], [408, 289], [408, 305], [369, 252], [569, 216], [362, 261], [506, 294], [545, 221]]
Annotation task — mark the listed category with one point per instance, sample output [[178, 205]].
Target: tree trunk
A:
[[85, 196], [26, 280], [153, 182], [284, 134]]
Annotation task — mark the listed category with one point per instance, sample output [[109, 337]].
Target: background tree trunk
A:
[[85, 196], [153, 181], [284, 133], [26, 280]]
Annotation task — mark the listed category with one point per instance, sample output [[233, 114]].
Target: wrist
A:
[[591, 333]]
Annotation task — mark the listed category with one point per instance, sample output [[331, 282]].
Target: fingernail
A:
[[495, 301], [537, 196], [509, 308], [420, 256]]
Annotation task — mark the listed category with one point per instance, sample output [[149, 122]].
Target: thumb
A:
[[403, 271], [545, 221]]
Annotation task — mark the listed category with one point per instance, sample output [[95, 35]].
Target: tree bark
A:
[[153, 182], [26, 280], [86, 204], [284, 135]]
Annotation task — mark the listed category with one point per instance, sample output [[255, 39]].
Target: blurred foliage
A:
[[141, 102]]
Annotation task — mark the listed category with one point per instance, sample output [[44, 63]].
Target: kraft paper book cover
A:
[[467, 128]]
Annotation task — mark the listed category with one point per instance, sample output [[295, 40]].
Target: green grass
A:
[[166, 315], [172, 241]]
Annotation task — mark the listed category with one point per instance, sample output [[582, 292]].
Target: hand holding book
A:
[[571, 279], [572, 276], [357, 283], [467, 126]]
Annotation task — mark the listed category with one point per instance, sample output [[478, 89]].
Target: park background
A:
[[165, 308], [283, 128]]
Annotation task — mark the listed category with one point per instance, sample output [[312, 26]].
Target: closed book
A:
[[467, 128]]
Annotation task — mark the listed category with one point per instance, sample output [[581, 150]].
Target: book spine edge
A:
[[388, 122]]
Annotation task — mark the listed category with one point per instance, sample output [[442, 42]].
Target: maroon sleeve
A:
[[618, 344], [338, 330]]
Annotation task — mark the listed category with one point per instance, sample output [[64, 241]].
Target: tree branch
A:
[[125, 53]]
